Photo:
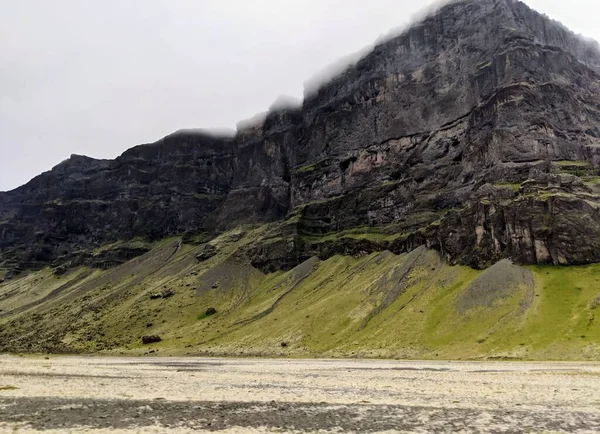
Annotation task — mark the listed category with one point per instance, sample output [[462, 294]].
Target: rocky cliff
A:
[[476, 132]]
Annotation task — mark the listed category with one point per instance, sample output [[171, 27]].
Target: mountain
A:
[[467, 142]]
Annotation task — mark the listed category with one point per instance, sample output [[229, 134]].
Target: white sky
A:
[[97, 77]]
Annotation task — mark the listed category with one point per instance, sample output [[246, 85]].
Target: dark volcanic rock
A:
[[146, 340], [210, 311], [169, 187], [208, 252], [59, 271], [116, 256], [457, 133]]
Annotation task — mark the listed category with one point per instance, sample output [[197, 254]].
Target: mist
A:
[[96, 78]]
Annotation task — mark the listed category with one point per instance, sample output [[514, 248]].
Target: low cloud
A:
[[340, 66]]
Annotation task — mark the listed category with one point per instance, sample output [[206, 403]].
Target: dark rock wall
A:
[[169, 187], [483, 92]]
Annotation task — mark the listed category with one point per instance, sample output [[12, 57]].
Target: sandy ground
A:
[[171, 395]]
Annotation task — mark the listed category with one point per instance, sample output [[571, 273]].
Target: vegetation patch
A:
[[514, 185], [484, 65], [370, 233], [209, 312], [380, 305], [567, 163], [8, 388], [591, 180], [582, 169], [307, 168]]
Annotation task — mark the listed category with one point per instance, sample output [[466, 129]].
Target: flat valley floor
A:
[[185, 395]]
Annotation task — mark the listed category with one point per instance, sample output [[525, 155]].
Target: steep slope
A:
[[472, 98], [428, 137], [381, 305], [151, 191], [356, 224]]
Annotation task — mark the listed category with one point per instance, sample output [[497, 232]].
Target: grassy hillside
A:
[[381, 305]]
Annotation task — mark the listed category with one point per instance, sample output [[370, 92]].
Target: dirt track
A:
[[168, 395]]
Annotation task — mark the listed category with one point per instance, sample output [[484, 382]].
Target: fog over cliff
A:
[[97, 78]]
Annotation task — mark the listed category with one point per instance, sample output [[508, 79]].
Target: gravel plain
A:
[[184, 395]]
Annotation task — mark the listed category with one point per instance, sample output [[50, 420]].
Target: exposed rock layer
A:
[[429, 139]]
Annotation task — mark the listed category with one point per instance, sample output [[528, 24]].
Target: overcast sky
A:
[[97, 77]]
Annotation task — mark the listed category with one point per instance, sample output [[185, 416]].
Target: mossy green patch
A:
[[591, 180], [574, 163], [578, 168], [379, 234], [484, 65], [563, 319], [372, 234], [382, 305], [514, 185], [134, 243], [306, 168], [204, 315]]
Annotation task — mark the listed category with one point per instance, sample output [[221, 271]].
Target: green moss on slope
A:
[[381, 305]]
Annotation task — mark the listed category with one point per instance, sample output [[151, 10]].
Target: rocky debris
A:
[[59, 271], [208, 252], [117, 256], [483, 98], [284, 253], [105, 259], [234, 237], [165, 293], [284, 345], [151, 339], [501, 280], [144, 409], [210, 311]]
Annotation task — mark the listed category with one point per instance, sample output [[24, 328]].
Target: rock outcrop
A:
[[475, 132]]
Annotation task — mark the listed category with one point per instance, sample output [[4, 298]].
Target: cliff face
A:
[[170, 187], [475, 132]]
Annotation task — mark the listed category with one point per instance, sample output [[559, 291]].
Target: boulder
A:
[[59, 271], [167, 293], [151, 339], [211, 311], [208, 252]]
